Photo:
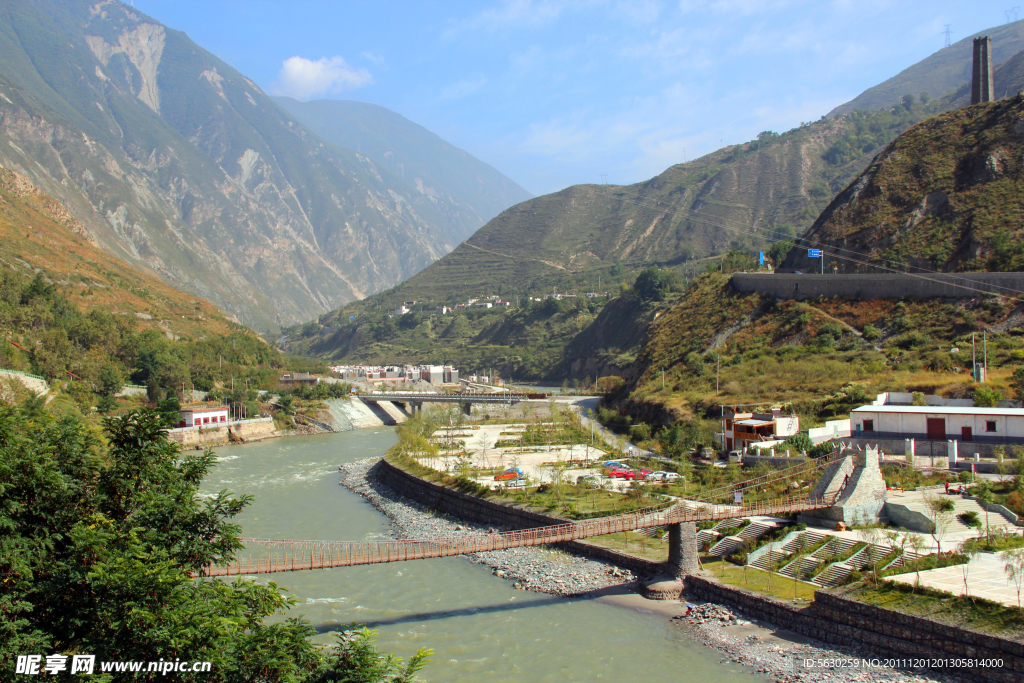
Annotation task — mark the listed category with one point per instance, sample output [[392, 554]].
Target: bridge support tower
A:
[[467, 408], [682, 549]]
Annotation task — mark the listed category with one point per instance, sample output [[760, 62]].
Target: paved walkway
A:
[[986, 578]]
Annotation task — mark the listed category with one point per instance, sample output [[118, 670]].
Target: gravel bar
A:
[[541, 570]]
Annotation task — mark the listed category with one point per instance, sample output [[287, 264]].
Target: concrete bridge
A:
[[415, 401]]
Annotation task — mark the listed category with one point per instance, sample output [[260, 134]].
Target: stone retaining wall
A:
[[466, 506], [885, 633], [256, 429], [880, 286]]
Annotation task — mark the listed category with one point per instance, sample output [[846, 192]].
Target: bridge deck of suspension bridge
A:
[[327, 554], [466, 397]]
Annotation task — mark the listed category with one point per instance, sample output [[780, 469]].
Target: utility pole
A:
[[985, 351], [974, 359], [718, 371], [663, 377]]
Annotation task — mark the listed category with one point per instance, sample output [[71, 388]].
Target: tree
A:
[[110, 381], [1017, 383], [918, 545], [872, 535], [983, 494], [651, 285], [987, 397], [1014, 568], [970, 550], [940, 513], [100, 546]]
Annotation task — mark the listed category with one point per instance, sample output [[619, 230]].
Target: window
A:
[[990, 425], [869, 425]]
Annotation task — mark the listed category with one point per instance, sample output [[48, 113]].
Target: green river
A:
[[479, 627]]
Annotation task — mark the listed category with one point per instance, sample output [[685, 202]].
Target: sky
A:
[[559, 92]]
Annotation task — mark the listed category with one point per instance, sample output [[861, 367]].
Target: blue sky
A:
[[559, 92]]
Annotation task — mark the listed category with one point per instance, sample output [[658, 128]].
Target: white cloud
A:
[[304, 78], [370, 57]]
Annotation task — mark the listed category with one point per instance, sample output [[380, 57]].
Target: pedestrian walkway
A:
[[986, 578]]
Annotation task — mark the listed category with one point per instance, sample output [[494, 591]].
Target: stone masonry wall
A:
[[885, 633], [249, 430], [466, 506], [880, 286]]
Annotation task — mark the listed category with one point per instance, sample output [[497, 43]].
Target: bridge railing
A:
[[323, 554]]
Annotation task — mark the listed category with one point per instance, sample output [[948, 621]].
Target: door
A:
[[936, 429], [965, 434]]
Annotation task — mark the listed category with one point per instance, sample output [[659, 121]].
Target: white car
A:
[[656, 476], [669, 476]]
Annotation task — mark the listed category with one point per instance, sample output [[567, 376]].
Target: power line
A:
[[946, 33]]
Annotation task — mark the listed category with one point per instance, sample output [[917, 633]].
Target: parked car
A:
[[588, 480], [516, 484], [623, 474], [642, 472], [657, 476], [669, 476], [721, 464], [607, 471], [614, 463], [509, 474]]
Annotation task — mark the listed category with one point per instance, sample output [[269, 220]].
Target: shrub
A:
[[872, 333], [970, 518]]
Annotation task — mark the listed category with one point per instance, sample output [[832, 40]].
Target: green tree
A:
[[101, 548], [987, 397], [651, 285], [1017, 384]]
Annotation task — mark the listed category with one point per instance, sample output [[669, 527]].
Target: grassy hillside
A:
[[819, 357], [427, 163], [940, 72], [946, 195], [68, 306]]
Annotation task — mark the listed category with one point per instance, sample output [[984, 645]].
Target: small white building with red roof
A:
[[203, 416]]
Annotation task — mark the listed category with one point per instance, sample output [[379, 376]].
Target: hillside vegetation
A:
[[819, 357], [946, 195], [174, 161], [68, 307]]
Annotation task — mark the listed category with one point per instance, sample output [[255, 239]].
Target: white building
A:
[[200, 417], [939, 423]]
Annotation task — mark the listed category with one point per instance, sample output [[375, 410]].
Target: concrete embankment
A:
[[244, 431], [346, 414]]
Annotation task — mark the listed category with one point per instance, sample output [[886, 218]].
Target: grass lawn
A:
[[973, 613], [635, 544], [757, 580]]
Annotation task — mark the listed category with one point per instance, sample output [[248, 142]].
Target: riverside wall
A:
[[481, 510], [878, 286], [242, 431], [886, 633]]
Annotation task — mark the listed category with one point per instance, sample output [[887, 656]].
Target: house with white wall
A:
[[965, 424], [201, 417], [740, 430]]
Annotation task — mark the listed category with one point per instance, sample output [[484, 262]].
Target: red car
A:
[[623, 474], [642, 472]]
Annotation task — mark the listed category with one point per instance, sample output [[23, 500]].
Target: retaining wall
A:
[[256, 429], [33, 383], [885, 633], [466, 506], [880, 286]]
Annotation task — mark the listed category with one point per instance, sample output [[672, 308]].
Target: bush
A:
[[872, 333], [987, 397], [970, 518]]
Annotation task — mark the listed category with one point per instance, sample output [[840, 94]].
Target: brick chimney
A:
[[981, 75]]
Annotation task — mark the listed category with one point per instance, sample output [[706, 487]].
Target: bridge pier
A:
[[682, 549], [467, 408], [415, 407]]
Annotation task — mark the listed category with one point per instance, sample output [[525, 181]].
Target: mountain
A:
[[432, 166], [174, 161], [744, 196], [940, 72], [946, 195], [40, 236]]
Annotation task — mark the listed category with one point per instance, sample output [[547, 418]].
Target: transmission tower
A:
[[946, 33]]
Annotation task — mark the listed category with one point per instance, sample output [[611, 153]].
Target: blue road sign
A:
[[814, 253], [762, 258]]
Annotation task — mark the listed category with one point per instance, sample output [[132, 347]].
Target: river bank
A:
[[540, 570], [771, 652]]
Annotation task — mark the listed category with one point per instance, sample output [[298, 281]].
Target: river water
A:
[[479, 627]]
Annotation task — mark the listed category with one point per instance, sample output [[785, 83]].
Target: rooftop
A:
[[941, 410]]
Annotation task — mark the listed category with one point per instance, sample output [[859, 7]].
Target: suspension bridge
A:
[[268, 556]]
